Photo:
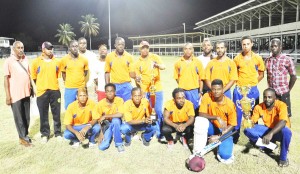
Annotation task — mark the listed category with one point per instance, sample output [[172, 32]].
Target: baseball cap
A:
[[196, 164], [144, 43], [47, 45]]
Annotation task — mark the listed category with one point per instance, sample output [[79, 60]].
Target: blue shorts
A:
[[123, 90], [70, 96]]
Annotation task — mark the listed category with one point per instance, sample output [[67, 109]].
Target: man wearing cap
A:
[[147, 75], [92, 59], [44, 71], [189, 74], [117, 69], [74, 68], [100, 72], [17, 90]]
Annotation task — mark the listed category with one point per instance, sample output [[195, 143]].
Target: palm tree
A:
[[65, 33], [89, 27]]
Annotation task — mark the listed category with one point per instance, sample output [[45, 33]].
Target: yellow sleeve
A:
[[201, 70], [233, 72], [68, 120], [107, 64], [176, 71], [63, 64], [283, 113], [158, 59], [34, 69], [256, 115], [97, 111], [261, 65], [191, 111], [232, 118], [127, 113], [86, 64], [207, 71], [204, 103], [168, 106]]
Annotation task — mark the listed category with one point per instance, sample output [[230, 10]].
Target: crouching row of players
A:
[[85, 119]]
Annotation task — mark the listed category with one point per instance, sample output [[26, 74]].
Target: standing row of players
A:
[[247, 69]]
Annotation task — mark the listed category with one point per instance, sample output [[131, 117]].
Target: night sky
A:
[[39, 19]]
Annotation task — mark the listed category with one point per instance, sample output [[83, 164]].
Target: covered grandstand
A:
[[262, 19], [169, 44]]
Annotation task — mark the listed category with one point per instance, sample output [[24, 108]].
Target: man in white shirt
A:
[[99, 76], [92, 58], [205, 58]]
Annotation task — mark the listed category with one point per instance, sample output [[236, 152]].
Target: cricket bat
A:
[[213, 145]]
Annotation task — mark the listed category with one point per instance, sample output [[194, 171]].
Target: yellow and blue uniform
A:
[[75, 76], [119, 68], [203, 127], [224, 70], [247, 76], [132, 112], [78, 117], [270, 119], [188, 74], [143, 68], [105, 108]]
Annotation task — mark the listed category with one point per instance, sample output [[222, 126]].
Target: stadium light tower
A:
[[109, 37], [184, 32]]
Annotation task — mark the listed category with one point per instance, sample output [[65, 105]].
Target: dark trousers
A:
[[53, 98], [167, 131], [286, 99], [21, 112]]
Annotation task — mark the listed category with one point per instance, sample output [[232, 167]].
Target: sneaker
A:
[[184, 142], [226, 161], [121, 149], [134, 136], [170, 144], [92, 145], [44, 139], [283, 163], [162, 139], [127, 144], [75, 144], [59, 138], [146, 143]]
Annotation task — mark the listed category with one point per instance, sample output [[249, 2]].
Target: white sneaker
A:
[[92, 145], [59, 138], [227, 161], [75, 144], [44, 140]]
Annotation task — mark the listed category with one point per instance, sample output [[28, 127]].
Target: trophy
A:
[[152, 95], [246, 106]]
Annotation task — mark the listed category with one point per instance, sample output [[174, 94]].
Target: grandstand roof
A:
[[167, 35], [253, 10]]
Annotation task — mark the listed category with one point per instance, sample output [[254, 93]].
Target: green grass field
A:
[[59, 157]]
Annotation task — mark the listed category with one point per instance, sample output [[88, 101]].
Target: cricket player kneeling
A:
[[217, 117]]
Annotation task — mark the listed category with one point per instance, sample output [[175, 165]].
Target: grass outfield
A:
[[59, 157]]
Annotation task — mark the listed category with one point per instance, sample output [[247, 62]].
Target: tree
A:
[[65, 33], [89, 27]]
